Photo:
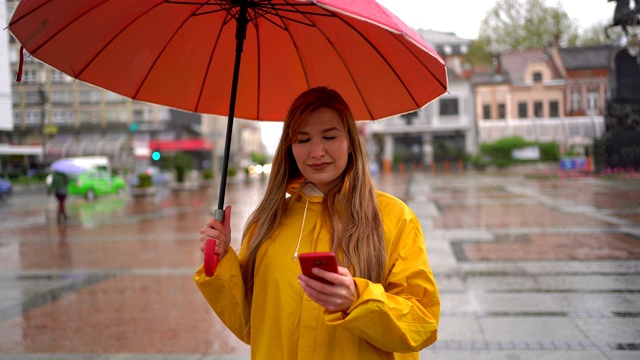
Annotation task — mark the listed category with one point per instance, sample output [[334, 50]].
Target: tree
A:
[[479, 54], [595, 35], [526, 24]]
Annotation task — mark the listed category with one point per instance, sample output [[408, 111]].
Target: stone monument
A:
[[619, 147]]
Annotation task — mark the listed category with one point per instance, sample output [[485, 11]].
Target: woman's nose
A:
[[317, 149]]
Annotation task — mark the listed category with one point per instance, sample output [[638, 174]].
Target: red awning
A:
[[181, 145]]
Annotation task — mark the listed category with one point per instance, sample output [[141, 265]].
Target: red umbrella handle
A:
[[210, 256]]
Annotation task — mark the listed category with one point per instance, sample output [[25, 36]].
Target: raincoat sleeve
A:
[[402, 316], [225, 293]]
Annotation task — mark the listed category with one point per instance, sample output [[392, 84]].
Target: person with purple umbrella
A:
[[58, 187]]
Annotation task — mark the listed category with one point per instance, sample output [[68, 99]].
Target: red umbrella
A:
[[244, 58]]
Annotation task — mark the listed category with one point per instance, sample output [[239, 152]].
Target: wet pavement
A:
[[527, 268]]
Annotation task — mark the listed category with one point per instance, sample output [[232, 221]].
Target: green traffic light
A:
[[155, 155]]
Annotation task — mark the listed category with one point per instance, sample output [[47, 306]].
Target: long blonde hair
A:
[[351, 208]]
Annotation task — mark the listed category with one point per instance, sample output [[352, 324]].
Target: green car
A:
[[95, 182]]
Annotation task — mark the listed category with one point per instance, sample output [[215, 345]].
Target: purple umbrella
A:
[[68, 166]]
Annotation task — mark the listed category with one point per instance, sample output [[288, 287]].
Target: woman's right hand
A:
[[220, 232]]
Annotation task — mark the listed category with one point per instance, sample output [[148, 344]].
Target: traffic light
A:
[[155, 156]]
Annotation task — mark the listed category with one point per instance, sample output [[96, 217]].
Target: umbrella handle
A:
[[210, 256]]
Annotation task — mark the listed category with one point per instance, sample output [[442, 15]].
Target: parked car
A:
[[158, 177], [6, 188], [96, 182]]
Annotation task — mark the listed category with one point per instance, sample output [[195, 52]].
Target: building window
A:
[[88, 117], [138, 114], [449, 107], [502, 111], [17, 117], [486, 112], [537, 109], [63, 116], [116, 115], [32, 117], [57, 77], [149, 114], [13, 55], [522, 110], [61, 97], [408, 117], [592, 102], [164, 114], [575, 100], [30, 76], [554, 109], [537, 77], [89, 97], [32, 97], [111, 97]]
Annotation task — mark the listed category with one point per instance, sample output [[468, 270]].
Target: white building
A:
[[441, 132]]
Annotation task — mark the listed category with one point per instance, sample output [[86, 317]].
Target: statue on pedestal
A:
[[624, 15]]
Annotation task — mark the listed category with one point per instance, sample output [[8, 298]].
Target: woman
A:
[[384, 303]]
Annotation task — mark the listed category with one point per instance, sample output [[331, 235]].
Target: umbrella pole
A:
[[210, 257]]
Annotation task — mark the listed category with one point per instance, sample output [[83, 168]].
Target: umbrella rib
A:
[[28, 13], [86, 66], [61, 28], [212, 11], [259, 59], [279, 26], [213, 51], [385, 60], [423, 64], [283, 8], [275, 13], [295, 44], [173, 35], [344, 63]]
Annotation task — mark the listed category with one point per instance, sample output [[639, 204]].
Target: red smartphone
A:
[[323, 260]]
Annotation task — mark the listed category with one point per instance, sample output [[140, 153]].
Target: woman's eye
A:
[[330, 137], [302, 141]]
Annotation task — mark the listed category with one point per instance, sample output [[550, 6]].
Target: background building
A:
[[61, 117], [546, 94], [441, 132]]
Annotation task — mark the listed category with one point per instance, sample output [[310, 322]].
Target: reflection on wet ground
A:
[[527, 268]]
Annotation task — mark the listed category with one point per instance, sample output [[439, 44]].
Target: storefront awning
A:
[[181, 145], [117, 149]]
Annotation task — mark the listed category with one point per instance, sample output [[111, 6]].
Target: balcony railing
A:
[[559, 130]]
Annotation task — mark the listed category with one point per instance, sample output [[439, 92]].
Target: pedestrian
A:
[[58, 186], [383, 303]]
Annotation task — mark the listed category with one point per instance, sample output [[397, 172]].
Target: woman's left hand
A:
[[335, 298]]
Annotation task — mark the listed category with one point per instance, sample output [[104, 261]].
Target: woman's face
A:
[[321, 148]]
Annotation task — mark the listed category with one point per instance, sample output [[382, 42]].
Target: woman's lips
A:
[[319, 166]]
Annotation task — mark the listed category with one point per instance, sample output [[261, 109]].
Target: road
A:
[[527, 269]]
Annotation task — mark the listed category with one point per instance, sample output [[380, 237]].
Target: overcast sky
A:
[[464, 17]]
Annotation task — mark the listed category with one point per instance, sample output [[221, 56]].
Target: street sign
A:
[[50, 129]]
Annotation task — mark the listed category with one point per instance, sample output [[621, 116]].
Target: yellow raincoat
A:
[[392, 322]]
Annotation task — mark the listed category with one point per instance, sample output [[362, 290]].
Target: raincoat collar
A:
[[306, 189]]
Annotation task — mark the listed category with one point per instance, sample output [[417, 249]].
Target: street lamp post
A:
[[42, 95], [43, 115]]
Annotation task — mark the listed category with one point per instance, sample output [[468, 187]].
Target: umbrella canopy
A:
[[67, 166], [73, 166], [180, 53]]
